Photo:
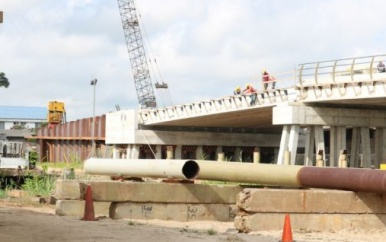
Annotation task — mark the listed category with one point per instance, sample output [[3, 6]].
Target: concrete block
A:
[[76, 208], [152, 192], [68, 189], [309, 201], [175, 212], [310, 222]]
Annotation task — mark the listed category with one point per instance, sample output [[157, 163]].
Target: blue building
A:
[[22, 117]]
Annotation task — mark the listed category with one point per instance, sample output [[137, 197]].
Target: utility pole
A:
[[93, 83]]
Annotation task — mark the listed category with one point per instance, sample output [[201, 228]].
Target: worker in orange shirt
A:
[[267, 78], [251, 92]]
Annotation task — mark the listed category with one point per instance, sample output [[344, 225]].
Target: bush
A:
[[39, 185]]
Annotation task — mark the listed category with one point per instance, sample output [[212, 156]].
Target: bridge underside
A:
[[246, 118]]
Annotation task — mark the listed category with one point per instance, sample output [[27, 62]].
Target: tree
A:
[[3, 80]]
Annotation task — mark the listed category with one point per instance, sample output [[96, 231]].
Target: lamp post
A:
[[93, 83]]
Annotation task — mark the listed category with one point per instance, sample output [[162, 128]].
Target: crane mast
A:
[[137, 54]]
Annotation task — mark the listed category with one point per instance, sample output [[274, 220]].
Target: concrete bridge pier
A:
[[365, 151], [380, 147], [178, 152], [337, 144], [314, 143], [289, 141], [133, 151]]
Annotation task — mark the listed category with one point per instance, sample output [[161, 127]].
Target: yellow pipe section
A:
[[265, 174]]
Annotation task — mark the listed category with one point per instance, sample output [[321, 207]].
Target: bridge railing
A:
[[224, 104], [340, 71]]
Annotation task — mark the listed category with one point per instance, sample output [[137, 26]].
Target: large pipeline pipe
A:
[[352, 179], [178, 169], [264, 174]]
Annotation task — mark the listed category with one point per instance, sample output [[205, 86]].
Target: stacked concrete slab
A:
[[149, 200], [309, 209]]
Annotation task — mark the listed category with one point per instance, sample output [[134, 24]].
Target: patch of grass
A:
[[131, 223], [60, 165], [211, 232], [3, 193], [39, 185]]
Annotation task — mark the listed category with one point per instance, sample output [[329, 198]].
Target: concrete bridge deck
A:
[[347, 83]]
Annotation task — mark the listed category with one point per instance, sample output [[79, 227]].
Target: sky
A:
[[51, 50]]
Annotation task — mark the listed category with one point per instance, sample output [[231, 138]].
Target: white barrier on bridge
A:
[[224, 104]]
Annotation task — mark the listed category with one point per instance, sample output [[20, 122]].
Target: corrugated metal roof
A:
[[33, 113]]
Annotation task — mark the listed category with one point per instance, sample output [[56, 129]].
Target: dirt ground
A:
[[34, 222]]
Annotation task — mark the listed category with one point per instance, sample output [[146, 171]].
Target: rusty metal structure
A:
[[71, 141]]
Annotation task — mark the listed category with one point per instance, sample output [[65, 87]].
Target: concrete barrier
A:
[[149, 192], [309, 209], [76, 208], [310, 222], [175, 212], [309, 201]]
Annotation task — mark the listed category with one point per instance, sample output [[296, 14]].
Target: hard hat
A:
[[263, 70], [248, 85], [237, 88]]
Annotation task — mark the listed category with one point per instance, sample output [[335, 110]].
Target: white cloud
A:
[[51, 50]]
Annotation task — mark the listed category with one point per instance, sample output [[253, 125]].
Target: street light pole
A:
[[93, 83]]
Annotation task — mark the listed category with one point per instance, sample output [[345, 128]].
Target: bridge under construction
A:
[[315, 115]]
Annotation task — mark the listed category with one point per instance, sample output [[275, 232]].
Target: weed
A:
[[211, 232], [3, 193], [39, 185]]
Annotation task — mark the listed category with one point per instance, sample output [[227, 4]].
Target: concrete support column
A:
[[341, 142], [337, 144], [283, 144], [200, 155], [287, 157], [289, 141], [333, 147], [320, 162], [237, 154], [380, 147], [220, 156], [383, 159], [343, 159], [256, 155], [319, 142], [366, 151], [134, 152], [293, 142], [158, 152], [115, 152], [309, 146], [355, 144], [178, 152], [169, 152]]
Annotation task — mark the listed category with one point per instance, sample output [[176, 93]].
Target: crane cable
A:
[[165, 98]]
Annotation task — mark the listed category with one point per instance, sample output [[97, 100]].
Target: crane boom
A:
[[137, 54]]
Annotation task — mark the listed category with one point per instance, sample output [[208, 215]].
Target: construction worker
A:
[[237, 91], [267, 78], [381, 67], [249, 90]]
